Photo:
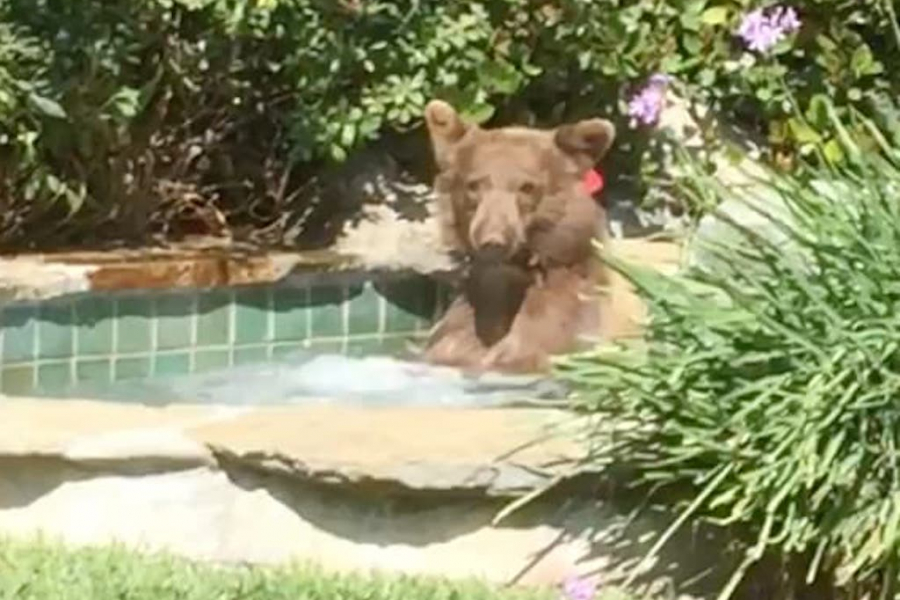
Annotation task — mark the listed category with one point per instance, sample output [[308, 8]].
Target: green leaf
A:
[[46, 106], [690, 21], [692, 43], [862, 61], [715, 15], [479, 113], [126, 102], [348, 135], [195, 4], [802, 132], [833, 152], [500, 77], [338, 153], [817, 111], [764, 94], [74, 199], [531, 70]]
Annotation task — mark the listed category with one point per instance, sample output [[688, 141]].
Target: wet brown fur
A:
[[519, 189]]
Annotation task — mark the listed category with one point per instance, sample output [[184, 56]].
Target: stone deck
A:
[[411, 490], [484, 451]]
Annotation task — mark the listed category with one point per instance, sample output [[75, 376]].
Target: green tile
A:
[[286, 350], [54, 376], [137, 367], [209, 360], [291, 313], [251, 316], [364, 347], [364, 311], [134, 324], [19, 333], [17, 380], [398, 319], [93, 369], [327, 316], [244, 356], [399, 346], [55, 331], [174, 320], [94, 318], [327, 346], [175, 363], [213, 319]]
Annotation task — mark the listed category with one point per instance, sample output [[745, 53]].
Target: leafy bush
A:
[[773, 393], [124, 119]]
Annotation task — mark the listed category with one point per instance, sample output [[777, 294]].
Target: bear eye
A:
[[473, 185], [528, 188]]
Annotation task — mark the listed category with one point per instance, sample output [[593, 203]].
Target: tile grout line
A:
[[2, 350], [154, 334], [382, 315], [114, 340], [232, 326], [270, 323], [307, 300], [35, 346], [76, 345], [192, 351], [345, 318]]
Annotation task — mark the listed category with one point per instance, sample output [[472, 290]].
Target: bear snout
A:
[[497, 228]]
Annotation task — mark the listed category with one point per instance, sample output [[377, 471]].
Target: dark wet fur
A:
[[496, 290]]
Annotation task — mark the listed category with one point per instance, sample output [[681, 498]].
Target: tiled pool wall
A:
[[99, 337]]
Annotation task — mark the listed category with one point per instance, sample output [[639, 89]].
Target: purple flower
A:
[[761, 31], [786, 18], [577, 588], [647, 104]]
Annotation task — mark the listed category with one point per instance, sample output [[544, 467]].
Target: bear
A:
[[511, 203]]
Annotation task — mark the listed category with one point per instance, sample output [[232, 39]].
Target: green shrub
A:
[[117, 117], [773, 393]]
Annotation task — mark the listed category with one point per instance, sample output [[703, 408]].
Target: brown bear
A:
[[512, 202]]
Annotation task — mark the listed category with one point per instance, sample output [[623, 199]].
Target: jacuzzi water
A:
[[308, 378]]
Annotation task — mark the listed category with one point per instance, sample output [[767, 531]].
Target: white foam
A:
[[306, 378]]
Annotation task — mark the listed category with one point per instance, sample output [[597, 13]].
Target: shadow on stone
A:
[[607, 538], [369, 512], [25, 479]]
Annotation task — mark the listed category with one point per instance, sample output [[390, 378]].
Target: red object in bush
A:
[[593, 182]]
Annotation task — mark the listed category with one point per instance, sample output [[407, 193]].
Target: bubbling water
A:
[[307, 378]]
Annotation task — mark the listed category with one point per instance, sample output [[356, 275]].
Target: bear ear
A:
[[445, 127], [589, 139]]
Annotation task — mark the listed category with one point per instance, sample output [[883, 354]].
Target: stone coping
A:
[[495, 452], [30, 277], [41, 276]]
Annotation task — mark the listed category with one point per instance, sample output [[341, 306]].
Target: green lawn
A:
[[46, 571]]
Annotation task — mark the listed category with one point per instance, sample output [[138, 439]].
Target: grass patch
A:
[[42, 570]]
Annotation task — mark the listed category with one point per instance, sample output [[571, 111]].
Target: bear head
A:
[[516, 191]]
